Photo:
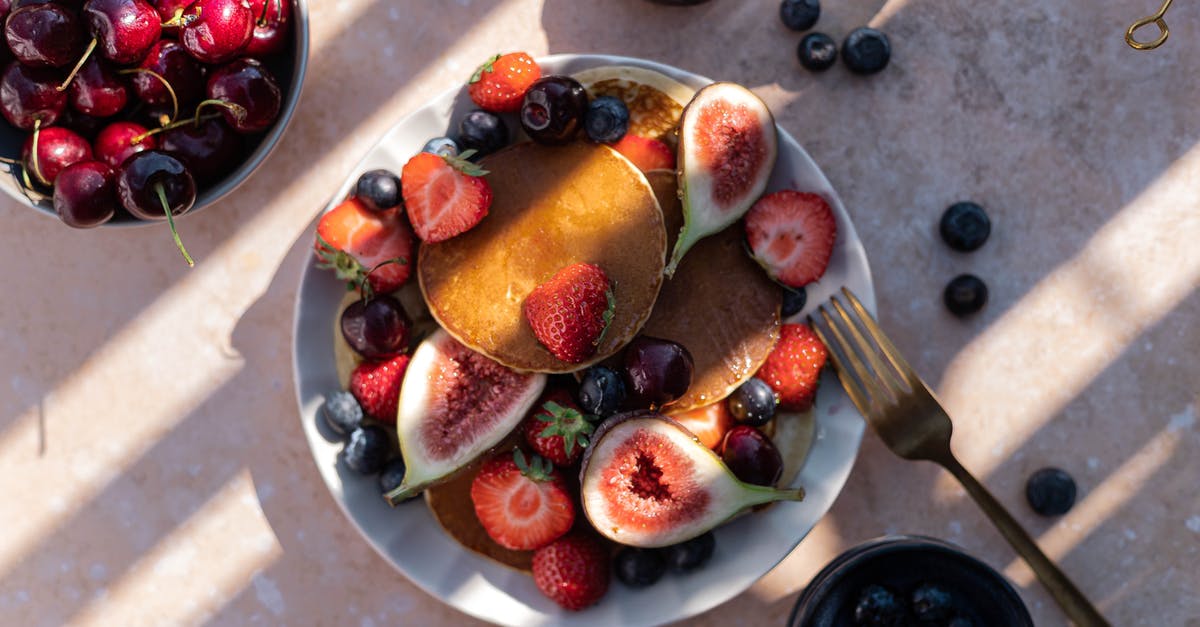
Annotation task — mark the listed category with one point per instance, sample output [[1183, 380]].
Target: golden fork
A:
[[909, 419]]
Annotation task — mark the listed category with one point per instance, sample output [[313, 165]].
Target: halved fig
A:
[[455, 404], [648, 482], [727, 149]]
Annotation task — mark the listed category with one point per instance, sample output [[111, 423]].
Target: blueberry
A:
[[1050, 492], [965, 226], [638, 568], [606, 120], [392, 474], [866, 50], [692, 554], [932, 603], [817, 52], [794, 299], [878, 607], [799, 15], [965, 294], [379, 190], [753, 403], [601, 392], [367, 449], [342, 412], [482, 131], [443, 146]]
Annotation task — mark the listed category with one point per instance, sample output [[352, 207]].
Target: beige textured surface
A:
[[153, 471]]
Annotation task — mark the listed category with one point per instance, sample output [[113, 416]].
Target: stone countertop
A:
[[154, 473]]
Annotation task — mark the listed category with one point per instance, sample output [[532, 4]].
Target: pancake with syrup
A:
[[553, 206]]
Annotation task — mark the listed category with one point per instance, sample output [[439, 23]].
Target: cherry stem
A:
[[177, 19], [9, 161], [137, 139], [262, 19], [239, 112], [33, 156], [165, 83], [162, 197], [75, 70]]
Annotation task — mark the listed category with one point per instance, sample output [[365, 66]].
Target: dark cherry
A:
[[751, 456], [553, 109], [124, 29], [169, 60], [167, 12], [98, 90], [153, 185], [120, 140], [5, 8], [30, 95], [377, 328], [85, 195], [89, 126], [216, 31], [210, 150], [57, 148], [657, 371], [247, 84], [272, 24], [44, 35]]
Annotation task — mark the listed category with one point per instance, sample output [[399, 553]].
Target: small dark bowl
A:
[[901, 563], [288, 67]]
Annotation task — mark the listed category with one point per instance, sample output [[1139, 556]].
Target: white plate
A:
[[410, 539]]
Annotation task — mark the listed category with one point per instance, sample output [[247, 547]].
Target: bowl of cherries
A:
[[127, 112]]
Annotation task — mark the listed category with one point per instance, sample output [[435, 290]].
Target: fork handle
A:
[[1073, 602]]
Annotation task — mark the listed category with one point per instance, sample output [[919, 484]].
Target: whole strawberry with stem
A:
[[444, 196], [370, 250], [794, 367], [500, 83], [573, 571], [522, 503], [557, 429], [570, 313]]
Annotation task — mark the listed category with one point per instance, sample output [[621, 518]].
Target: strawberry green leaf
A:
[[487, 66], [462, 164]]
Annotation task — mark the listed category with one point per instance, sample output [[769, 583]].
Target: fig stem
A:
[[166, 127], [165, 83], [75, 70], [162, 197], [401, 494]]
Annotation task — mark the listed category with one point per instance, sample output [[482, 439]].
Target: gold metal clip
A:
[[1157, 18]]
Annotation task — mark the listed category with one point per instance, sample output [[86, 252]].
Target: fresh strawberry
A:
[[557, 429], [647, 154], [523, 505], [570, 312], [366, 248], [376, 385], [709, 423], [794, 365], [500, 83], [791, 235], [572, 571], [444, 196]]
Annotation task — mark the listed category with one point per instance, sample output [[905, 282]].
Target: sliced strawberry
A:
[[709, 423], [360, 244], [522, 504], [500, 83], [444, 196], [570, 313], [791, 235], [376, 386], [794, 366], [647, 154], [557, 429]]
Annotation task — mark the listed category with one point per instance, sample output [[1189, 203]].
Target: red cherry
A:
[[85, 194], [272, 25], [98, 90], [167, 11], [120, 140], [170, 61], [125, 29], [30, 95], [215, 31], [209, 150], [45, 35], [247, 85], [57, 148]]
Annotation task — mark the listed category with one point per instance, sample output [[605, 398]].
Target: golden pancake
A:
[[552, 207], [720, 305]]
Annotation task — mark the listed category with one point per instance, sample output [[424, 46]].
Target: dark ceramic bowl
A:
[[901, 564], [288, 67]]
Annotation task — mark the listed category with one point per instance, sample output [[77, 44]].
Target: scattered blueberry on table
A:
[[1050, 492], [817, 52], [799, 15], [965, 294], [866, 50], [965, 226]]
